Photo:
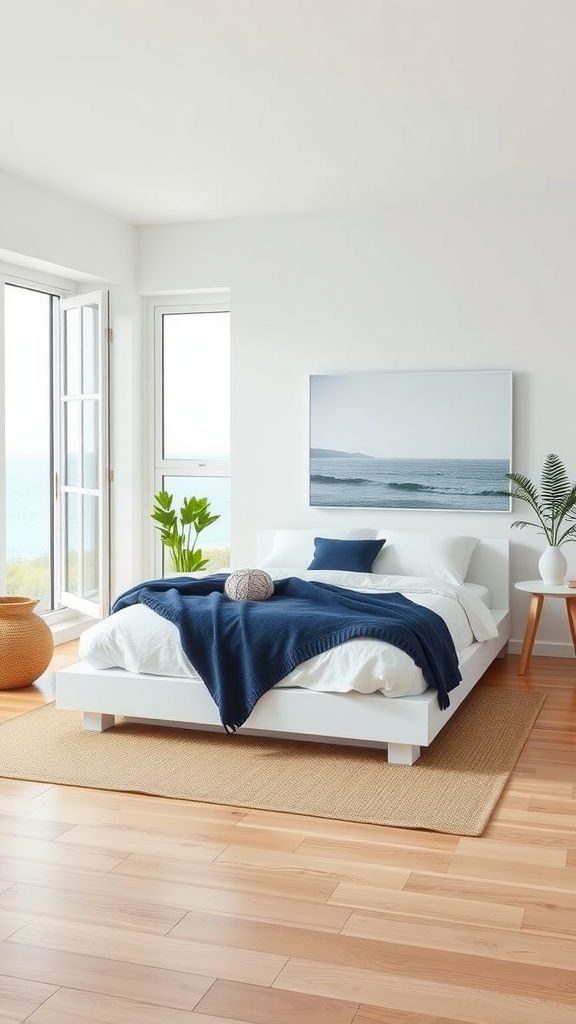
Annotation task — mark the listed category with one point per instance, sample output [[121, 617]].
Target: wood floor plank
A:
[[125, 840], [11, 921], [340, 871], [500, 852], [113, 943], [19, 998], [508, 871], [95, 908], [76, 858], [518, 829], [257, 1005], [348, 831], [23, 826], [511, 893], [95, 975], [172, 817], [327, 848], [476, 1006], [424, 905], [509, 947], [550, 920], [210, 837], [68, 1006], [315, 886], [377, 1015], [251, 907]]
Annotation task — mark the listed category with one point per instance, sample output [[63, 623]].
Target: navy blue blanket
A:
[[240, 649]]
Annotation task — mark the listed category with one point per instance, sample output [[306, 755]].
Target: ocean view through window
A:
[[28, 318]]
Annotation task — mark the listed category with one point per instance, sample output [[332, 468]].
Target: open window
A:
[[82, 442]]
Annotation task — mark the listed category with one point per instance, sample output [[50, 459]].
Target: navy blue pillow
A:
[[349, 555]]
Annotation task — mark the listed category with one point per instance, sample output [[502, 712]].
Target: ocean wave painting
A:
[[430, 440], [358, 482]]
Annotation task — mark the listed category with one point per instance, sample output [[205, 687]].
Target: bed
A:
[[324, 699]]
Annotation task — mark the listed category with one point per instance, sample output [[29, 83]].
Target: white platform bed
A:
[[401, 725]]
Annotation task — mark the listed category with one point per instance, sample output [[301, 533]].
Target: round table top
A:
[[538, 587]]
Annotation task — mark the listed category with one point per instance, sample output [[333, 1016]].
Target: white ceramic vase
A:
[[553, 566]]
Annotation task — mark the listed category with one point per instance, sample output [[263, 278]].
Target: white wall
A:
[[487, 286], [40, 225]]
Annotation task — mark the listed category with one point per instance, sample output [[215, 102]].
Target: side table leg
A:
[[571, 609], [530, 634]]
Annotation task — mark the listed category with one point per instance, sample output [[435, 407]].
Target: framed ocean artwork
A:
[[434, 440]]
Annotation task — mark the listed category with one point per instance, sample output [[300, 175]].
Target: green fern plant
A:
[[553, 504], [179, 532]]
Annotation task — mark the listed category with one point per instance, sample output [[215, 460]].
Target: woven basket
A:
[[26, 643]]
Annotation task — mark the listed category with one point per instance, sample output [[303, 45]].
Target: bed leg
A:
[[93, 721], [402, 753]]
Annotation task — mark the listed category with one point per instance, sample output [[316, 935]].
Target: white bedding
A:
[[139, 640]]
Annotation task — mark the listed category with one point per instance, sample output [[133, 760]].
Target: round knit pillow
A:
[[249, 585]]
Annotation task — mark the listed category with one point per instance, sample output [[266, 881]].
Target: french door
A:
[[82, 487]]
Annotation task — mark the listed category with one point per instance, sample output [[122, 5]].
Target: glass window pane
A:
[[72, 442], [90, 443], [90, 548], [71, 521], [27, 404], [214, 541], [72, 352], [90, 348], [196, 385]]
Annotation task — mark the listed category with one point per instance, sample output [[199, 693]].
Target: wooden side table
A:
[[539, 591]]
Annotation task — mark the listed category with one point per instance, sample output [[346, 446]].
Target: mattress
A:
[[138, 640]]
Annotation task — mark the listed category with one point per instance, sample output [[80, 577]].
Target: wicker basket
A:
[[26, 643]]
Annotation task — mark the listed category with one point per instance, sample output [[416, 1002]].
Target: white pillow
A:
[[294, 549], [424, 554]]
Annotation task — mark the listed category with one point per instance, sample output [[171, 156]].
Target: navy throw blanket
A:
[[241, 649]]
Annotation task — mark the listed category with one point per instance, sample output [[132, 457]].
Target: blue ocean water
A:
[[28, 506], [358, 481]]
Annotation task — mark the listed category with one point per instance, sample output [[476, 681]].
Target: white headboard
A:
[[490, 565]]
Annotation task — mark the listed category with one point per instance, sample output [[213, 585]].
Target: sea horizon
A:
[[28, 510], [361, 481]]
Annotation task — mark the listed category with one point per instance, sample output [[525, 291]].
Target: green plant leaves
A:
[[554, 504], [176, 529]]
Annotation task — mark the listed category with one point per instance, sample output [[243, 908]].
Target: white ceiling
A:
[[176, 110]]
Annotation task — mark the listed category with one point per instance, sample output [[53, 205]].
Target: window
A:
[[28, 450], [84, 476], [54, 545], [192, 425]]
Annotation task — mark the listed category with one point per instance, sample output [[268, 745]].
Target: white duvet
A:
[[139, 640]]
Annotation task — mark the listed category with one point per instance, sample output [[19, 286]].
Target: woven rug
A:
[[453, 788]]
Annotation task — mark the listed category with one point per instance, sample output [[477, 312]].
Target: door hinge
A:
[[111, 475], [109, 335]]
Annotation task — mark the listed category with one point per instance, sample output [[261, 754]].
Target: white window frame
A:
[[62, 288], [66, 622], [214, 302], [100, 607]]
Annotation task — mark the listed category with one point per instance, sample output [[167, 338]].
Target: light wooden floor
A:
[[124, 909]]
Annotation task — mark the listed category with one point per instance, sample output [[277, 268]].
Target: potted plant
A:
[[554, 505], [179, 532]]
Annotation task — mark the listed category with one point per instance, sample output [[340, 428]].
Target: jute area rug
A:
[[453, 788]]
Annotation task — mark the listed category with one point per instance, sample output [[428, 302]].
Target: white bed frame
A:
[[401, 725]]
